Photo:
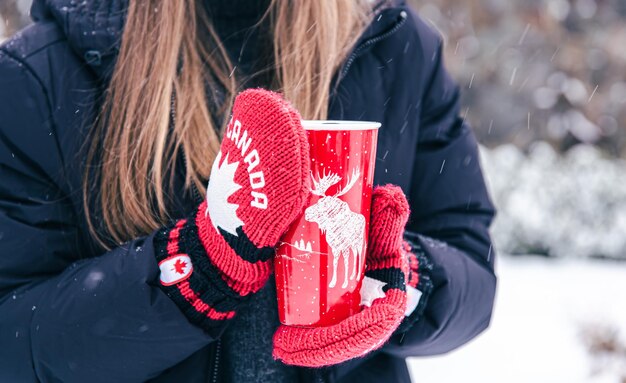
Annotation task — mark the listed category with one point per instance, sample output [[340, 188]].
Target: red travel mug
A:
[[320, 261]]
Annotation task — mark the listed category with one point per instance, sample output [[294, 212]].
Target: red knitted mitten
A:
[[258, 185], [384, 288]]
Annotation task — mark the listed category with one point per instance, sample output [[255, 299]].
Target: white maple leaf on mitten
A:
[[221, 186], [371, 289]]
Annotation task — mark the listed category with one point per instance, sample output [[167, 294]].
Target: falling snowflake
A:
[[221, 186]]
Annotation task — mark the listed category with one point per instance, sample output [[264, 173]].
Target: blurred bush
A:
[[550, 70], [571, 205], [607, 350]]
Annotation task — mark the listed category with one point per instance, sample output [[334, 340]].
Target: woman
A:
[[111, 116]]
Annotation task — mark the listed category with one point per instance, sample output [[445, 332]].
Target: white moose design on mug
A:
[[345, 229]]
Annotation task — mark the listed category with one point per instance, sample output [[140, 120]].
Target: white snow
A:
[[542, 307]]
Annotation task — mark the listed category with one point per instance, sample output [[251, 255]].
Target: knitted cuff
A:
[[191, 280], [242, 265], [418, 283]]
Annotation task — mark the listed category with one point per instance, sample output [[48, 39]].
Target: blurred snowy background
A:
[[544, 86]]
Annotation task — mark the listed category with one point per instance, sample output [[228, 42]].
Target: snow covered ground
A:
[[542, 308]]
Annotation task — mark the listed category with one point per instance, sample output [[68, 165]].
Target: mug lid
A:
[[339, 125]]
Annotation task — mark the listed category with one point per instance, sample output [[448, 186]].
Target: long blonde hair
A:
[[170, 51]]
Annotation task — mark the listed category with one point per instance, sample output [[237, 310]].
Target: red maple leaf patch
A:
[[180, 266]]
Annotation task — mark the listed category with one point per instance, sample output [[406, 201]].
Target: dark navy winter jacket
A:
[[70, 312]]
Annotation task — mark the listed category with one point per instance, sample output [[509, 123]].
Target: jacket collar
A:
[[386, 17], [94, 27]]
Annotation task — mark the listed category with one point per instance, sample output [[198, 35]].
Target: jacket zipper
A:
[[216, 364], [371, 41]]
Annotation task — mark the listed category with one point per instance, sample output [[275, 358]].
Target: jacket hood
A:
[[94, 27]]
